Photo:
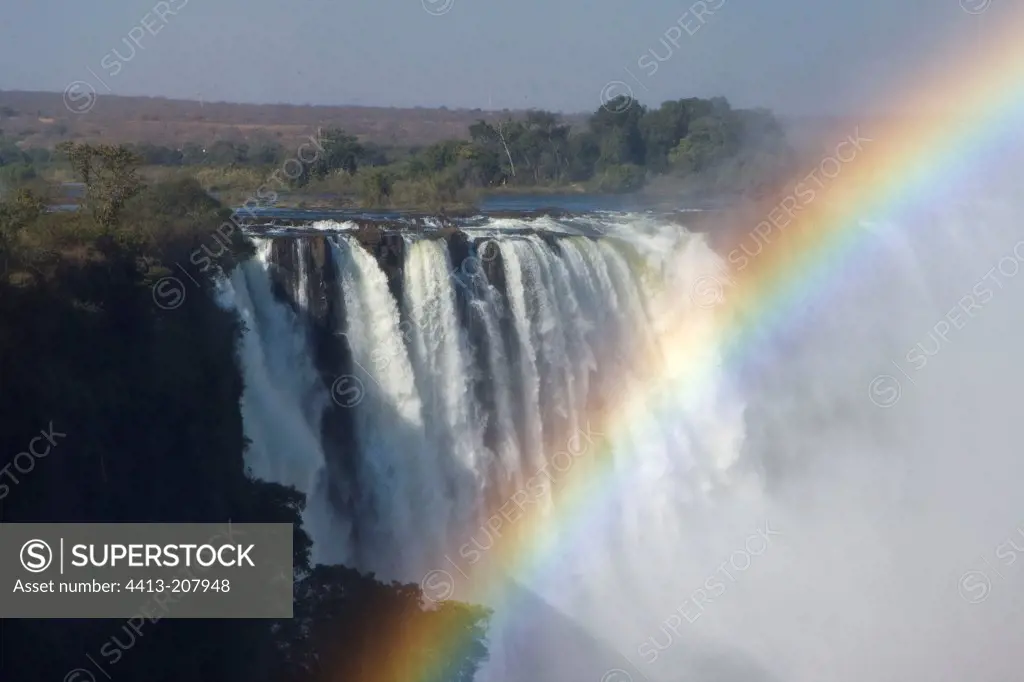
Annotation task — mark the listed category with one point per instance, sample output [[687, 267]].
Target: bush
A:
[[619, 178], [376, 185]]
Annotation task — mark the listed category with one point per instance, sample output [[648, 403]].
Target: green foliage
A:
[[621, 178], [376, 187], [625, 143], [584, 153], [15, 215], [240, 179], [15, 174], [704, 143], [10, 153], [707, 142], [341, 152], [617, 124], [192, 154], [532, 152], [267, 153], [155, 155], [224, 153], [110, 175], [663, 128], [434, 159]]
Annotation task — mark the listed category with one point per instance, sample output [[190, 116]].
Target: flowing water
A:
[[822, 491]]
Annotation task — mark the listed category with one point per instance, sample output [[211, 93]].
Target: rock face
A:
[[308, 253]]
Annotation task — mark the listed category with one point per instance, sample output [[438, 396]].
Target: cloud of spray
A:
[[898, 544]]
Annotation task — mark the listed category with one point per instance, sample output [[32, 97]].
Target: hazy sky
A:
[[794, 56]]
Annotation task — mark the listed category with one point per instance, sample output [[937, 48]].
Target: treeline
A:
[[17, 166], [146, 400], [624, 145]]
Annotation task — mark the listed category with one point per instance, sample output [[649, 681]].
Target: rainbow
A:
[[898, 167]]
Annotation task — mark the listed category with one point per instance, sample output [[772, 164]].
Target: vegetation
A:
[[149, 401], [702, 144]]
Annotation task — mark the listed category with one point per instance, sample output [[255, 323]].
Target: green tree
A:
[[542, 143], [110, 175], [617, 126], [661, 130], [267, 153], [19, 212], [616, 178], [376, 185], [708, 142], [435, 158], [227, 153], [10, 152], [490, 159], [341, 152], [584, 153]]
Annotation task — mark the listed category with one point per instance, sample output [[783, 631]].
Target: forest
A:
[[697, 145]]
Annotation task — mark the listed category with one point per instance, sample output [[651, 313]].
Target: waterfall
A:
[[413, 388], [791, 489], [403, 491], [488, 307], [528, 388], [440, 355], [283, 401]]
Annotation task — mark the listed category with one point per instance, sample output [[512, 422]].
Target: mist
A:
[[870, 524]]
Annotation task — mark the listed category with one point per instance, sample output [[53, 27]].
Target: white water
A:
[[283, 402], [439, 355], [402, 486], [526, 366], [767, 519], [489, 307], [880, 512]]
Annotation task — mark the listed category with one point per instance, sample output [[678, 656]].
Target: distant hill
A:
[[42, 119]]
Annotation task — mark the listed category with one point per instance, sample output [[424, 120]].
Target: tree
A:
[[617, 126], [584, 153], [625, 177], [376, 187], [15, 215], [227, 153], [488, 154], [267, 153], [543, 146], [537, 146], [661, 130], [10, 152], [156, 155], [708, 142], [435, 158], [340, 152], [110, 175], [192, 154], [386, 630]]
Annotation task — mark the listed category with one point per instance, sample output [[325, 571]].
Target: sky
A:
[[793, 56]]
